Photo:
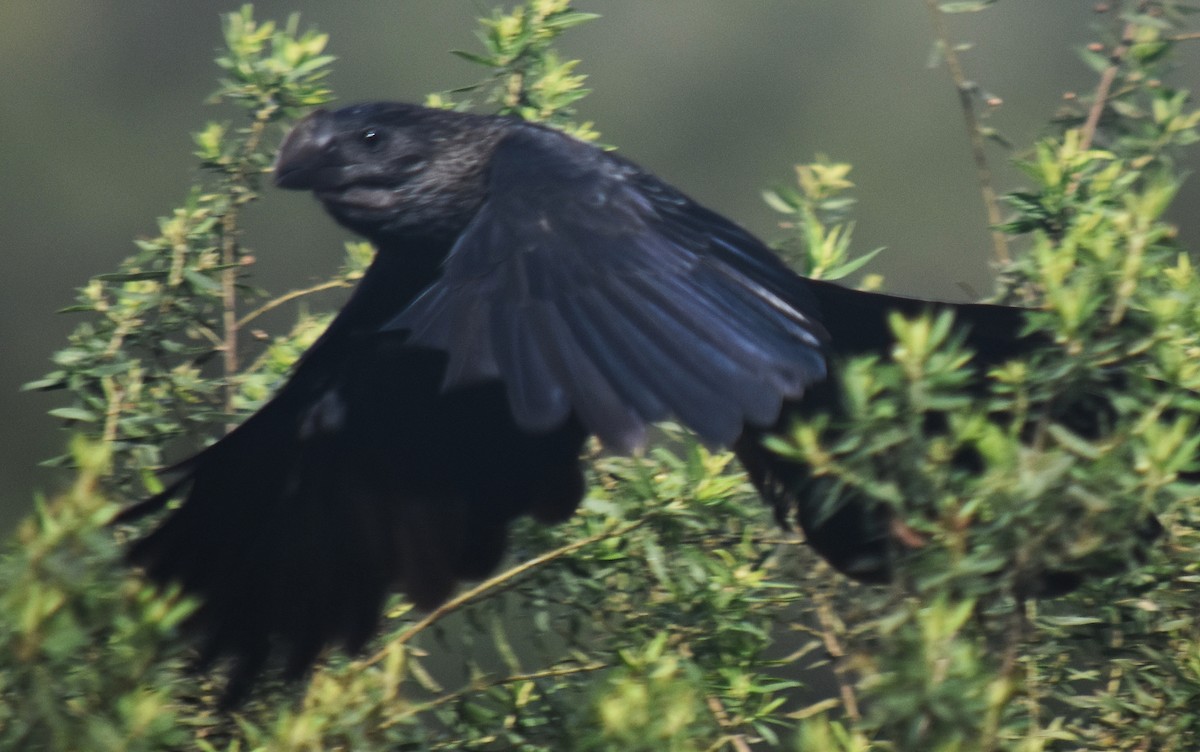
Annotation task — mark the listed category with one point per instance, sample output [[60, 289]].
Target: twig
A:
[[493, 583], [974, 133], [480, 686], [834, 648], [1015, 635], [1100, 98], [229, 252], [229, 355], [1032, 676], [271, 305], [738, 741], [114, 395], [1014, 639]]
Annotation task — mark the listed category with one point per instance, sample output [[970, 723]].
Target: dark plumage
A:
[[530, 290]]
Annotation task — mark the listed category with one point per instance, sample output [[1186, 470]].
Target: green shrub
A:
[[671, 613]]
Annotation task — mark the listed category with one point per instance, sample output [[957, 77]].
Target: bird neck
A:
[[400, 272]]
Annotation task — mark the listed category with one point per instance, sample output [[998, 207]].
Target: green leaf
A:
[[848, 268], [486, 61], [1070, 621], [74, 413], [965, 6], [52, 380], [777, 202]]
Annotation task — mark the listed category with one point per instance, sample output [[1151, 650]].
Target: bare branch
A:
[[974, 133], [495, 583], [274, 303], [239, 193], [1104, 87]]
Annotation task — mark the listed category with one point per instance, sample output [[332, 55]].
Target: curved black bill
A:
[[303, 160]]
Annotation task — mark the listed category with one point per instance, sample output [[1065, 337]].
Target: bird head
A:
[[390, 171]]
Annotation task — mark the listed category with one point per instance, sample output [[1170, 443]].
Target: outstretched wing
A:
[[588, 286], [585, 296], [358, 478]]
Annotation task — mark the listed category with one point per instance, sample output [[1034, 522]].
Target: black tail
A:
[[857, 322], [861, 537]]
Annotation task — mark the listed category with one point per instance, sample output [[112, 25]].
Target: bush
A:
[[671, 613]]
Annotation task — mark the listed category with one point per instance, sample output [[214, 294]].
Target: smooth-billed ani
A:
[[529, 290]]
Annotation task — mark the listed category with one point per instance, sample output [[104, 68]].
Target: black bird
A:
[[529, 290]]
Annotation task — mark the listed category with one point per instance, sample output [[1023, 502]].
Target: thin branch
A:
[[1104, 87], [271, 305], [832, 646], [738, 741], [239, 190], [229, 354], [114, 395], [482, 686], [1032, 686], [974, 133], [494, 583], [1014, 638]]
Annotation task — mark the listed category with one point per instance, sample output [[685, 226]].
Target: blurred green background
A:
[[98, 100]]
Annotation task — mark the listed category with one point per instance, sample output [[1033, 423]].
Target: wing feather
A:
[[589, 287], [537, 391], [652, 366], [594, 398]]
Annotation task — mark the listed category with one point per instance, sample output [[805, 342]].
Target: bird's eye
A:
[[372, 138]]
